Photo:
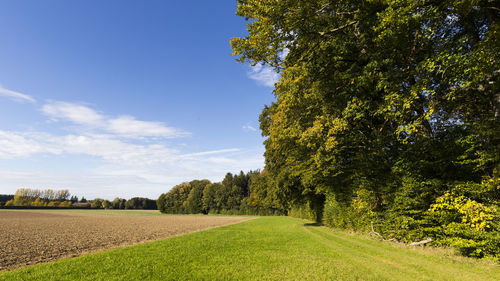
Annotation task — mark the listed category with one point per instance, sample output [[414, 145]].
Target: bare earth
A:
[[30, 237]]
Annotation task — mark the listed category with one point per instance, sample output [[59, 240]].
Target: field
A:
[[30, 236], [266, 248]]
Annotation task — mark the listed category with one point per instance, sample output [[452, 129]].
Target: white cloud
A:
[[210, 152], [115, 180], [132, 156], [123, 126], [130, 127], [13, 145], [16, 95], [126, 169], [106, 147], [249, 128], [264, 75], [75, 113]]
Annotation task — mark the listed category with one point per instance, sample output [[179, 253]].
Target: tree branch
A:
[[338, 28], [428, 240]]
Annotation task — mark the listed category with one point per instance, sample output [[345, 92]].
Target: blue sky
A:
[[125, 98]]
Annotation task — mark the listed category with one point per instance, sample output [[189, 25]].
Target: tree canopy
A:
[[390, 107]]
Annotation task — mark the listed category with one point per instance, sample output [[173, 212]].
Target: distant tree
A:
[[160, 202], [175, 200], [38, 203], [208, 199], [118, 203], [65, 204], [23, 197], [52, 204], [96, 203], [229, 196], [4, 198], [106, 204], [62, 195], [140, 203], [194, 204]]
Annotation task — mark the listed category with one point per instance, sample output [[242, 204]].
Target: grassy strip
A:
[[268, 248], [131, 213], [115, 212]]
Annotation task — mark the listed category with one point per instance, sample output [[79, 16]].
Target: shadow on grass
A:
[[313, 224]]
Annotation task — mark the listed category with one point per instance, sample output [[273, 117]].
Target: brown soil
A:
[[30, 237]]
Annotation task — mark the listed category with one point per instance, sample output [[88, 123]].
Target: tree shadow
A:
[[313, 224]]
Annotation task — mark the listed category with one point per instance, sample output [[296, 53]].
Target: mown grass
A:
[[267, 248]]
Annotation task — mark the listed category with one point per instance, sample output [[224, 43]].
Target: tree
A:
[[160, 202], [194, 204], [140, 203], [62, 195], [5, 198], [378, 101], [106, 204], [208, 199], [96, 203], [118, 203]]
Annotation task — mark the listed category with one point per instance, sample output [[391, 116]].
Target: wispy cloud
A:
[[106, 147], [132, 157], [16, 95], [123, 126], [211, 152], [249, 128], [126, 169], [15, 145], [130, 127], [76, 113], [264, 75]]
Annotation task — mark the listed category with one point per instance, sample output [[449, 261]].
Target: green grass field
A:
[[266, 248]]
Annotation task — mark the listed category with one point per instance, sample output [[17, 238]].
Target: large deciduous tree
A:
[[390, 102]]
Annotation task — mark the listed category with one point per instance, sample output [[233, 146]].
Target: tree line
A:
[[243, 193], [385, 112], [27, 197], [135, 203], [4, 198]]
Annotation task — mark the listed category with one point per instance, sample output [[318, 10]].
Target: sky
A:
[[125, 98]]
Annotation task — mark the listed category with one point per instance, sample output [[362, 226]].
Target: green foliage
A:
[[4, 198], [236, 194], [27, 197], [194, 203], [106, 204], [138, 203], [355, 215], [391, 109], [96, 203], [117, 203]]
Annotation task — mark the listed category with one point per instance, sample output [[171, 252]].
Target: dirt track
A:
[[29, 237]]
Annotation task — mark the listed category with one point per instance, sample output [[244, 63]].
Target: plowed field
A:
[[29, 237]]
